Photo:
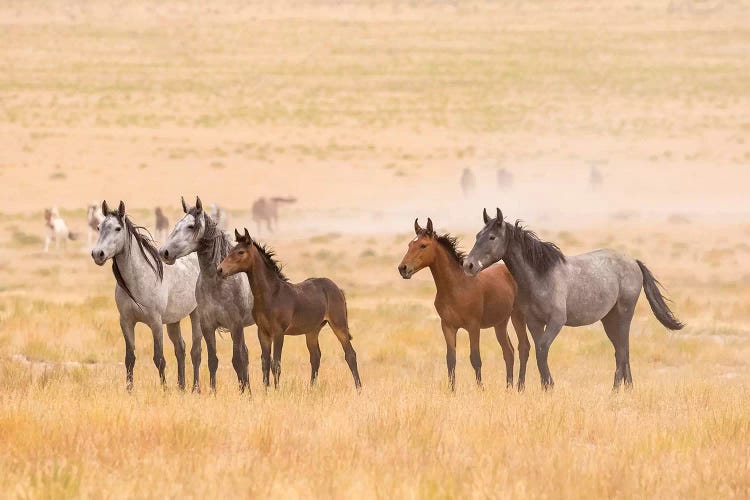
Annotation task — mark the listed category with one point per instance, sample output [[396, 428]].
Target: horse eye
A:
[[98, 228], [423, 245], [191, 226], [492, 237], [118, 229], [241, 252]]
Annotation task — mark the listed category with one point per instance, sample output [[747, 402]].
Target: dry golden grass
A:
[[70, 429], [367, 112]]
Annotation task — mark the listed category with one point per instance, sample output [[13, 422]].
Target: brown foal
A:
[[283, 308], [469, 302]]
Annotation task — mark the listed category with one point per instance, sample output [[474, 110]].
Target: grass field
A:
[[367, 113]]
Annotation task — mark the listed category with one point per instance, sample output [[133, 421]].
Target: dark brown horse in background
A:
[[468, 302], [283, 308]]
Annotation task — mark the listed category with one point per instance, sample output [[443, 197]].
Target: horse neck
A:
[[446, 272], [135, 269], [209, 256], [264, 282], [521, 270]]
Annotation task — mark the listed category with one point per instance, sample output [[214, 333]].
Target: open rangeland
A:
[[367, 114]]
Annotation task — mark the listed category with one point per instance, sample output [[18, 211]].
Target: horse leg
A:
[[617, 327], [157, 330], [128, 333], [239, 357], [195, 349], [278, 345], [350, 355], [450, 353], [209, 334], [501, 332], [474, 356], [265, 355], [543, 338], [175, 335], [314, 348], [519, 325]]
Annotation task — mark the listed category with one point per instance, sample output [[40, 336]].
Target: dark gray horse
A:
[[222, 303], [556, 291]]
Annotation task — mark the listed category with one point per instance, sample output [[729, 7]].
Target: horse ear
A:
[[236, 235], [121, 209], [184, 205], [499, 216], [105, 207], [417, 227], [429, 226], [198, 204], [485, 216], [247, 235]]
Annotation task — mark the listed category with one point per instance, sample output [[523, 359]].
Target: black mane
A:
[[214, 243], [450, 243], [147, 248], [541, 255], [270, 260]]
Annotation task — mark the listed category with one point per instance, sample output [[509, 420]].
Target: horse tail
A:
[[346, 313], [657, 301], [282, 199]]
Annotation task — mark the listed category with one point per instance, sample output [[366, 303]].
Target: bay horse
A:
[[267, 210], [283, 308], [222, 303], [161, 225], [148, 293], [555, 290], [468, 302]]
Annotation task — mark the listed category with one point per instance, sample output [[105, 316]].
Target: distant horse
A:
[[468, 182], [57, 230], [220, 216], [94, 217], [267, 210], [556, 291], [162, 225], [222, 303], [282, 308], [596, 178], [468, 302], [504, 178], [147, 293]]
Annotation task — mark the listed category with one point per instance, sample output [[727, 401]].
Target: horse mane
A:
[[214, 243], [450, 244], [541, 255], [147, 248], [269, 258]]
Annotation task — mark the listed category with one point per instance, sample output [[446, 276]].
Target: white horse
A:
[[94, 217], [57, 230], [148, 293], [220, 216]]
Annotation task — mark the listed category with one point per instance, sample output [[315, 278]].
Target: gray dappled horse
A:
[[222, 303], [556, 291], [147, 293]]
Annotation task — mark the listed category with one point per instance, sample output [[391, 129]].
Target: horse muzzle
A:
[[405, 272], [472, 268], [99, 257]]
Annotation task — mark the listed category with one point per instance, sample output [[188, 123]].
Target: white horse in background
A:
[[57, 230], [220, 216], [95, 217], [146, 292]]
